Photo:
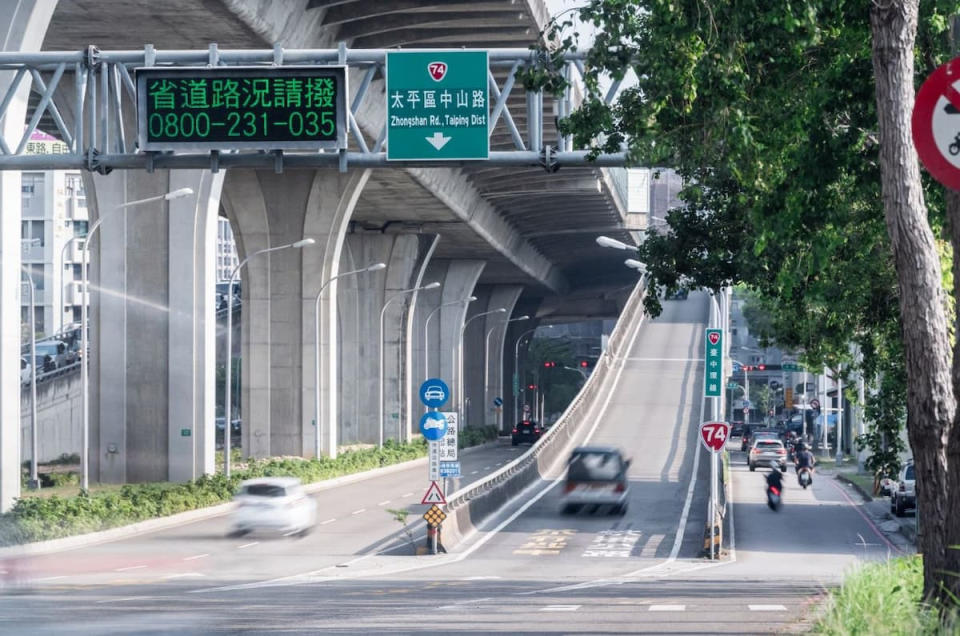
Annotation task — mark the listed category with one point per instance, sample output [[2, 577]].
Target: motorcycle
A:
[[804, 477], [773, 498]]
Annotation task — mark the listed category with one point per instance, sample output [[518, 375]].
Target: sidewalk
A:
[[860, 485]]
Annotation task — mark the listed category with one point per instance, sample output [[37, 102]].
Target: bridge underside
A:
[[516, 238]]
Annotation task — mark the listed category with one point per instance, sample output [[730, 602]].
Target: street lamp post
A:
[[34, 477], [317, 370], [84, 364], [516, 369], [383, 312], [486, 349], [463, 329], [227, 406]]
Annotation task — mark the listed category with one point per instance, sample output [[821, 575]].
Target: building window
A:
[[80, 228], [32, 231]]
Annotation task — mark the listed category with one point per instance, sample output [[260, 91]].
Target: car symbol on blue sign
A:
[[434, 393], [433, 426]]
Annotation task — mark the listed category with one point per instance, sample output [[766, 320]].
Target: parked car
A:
[[767, 450], [276, 504], [596, 475], [26, 370], [527, 432], [58, 351], [905, 494]]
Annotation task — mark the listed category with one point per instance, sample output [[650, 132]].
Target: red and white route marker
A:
[[714, 435]]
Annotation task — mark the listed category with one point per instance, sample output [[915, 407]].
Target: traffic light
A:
[[549, 364], [532, 387], [584, 364], [761, 367]]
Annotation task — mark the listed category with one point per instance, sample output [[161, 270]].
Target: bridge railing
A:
[[475, 502]]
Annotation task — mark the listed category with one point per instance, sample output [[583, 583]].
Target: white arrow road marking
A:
[[438, 141]]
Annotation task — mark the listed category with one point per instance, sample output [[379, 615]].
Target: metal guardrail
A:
[[56, 373], [522, 471]]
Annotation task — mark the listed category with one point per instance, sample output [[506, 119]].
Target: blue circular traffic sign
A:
[[434, 393], [433, 426]]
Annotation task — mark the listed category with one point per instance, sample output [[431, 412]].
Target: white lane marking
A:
[[120, 600], [668, 608], [248, 545], [384, 503], [323, 523], [356, 512], [767, 608], [183, 575], [481, 578], [409, 494], [486, 468], [560, 608], [195, 557], [127, 569], [474, 472], [52, 578]]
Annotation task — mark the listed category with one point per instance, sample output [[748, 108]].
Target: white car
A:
[[276, 504]]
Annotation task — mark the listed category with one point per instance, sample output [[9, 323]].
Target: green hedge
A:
[[42, 518], [476, 435]]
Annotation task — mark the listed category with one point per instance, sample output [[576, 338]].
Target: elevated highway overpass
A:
[[516, 237]]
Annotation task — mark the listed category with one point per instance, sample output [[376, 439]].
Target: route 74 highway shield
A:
[[714, 435]]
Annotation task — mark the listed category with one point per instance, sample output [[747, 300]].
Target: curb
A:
[[909, 532], [868, 498], [201, 514]]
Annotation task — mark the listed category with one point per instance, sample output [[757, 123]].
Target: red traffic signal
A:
[[761, 367], [584, 364], [532, 386], [549, 364]]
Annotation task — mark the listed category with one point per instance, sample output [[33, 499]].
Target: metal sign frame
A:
[[103, 98]]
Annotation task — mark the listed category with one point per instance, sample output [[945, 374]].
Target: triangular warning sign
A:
[[434, 495]]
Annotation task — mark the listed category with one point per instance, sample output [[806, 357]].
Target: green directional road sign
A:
[[713, 355], [732, 385], [791, 366], [437, 105]]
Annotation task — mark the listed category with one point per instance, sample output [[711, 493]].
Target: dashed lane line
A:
[[120, 600], [52, 578], [560, 608], [248, 545], [409, 494], [766, 608], [384, 503], [128, 568], [323, 523], [183, 575], [196, 556], [357, 512], [474, 472], [668, 608]]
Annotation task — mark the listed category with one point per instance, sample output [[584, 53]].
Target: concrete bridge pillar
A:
[[24, 24], [152, 326], [434, 356], [475, 363], [361, 300]]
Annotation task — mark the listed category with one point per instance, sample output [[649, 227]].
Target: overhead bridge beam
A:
[[97, 87]]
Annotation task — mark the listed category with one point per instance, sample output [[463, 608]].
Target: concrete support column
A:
[[192, 329], [152, 327], [406, 256], [494, 337], [511, 399], [459, 277], [279, 298], [489, 298], [24, 24]]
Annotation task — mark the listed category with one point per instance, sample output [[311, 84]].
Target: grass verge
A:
[[882, 598]]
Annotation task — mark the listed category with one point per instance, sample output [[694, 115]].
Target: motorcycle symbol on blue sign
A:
[[433, 426], [434, 393]]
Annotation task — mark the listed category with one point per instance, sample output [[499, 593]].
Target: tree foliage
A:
[[768, 110]]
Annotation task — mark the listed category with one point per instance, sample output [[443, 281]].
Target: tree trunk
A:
[[930, 398]]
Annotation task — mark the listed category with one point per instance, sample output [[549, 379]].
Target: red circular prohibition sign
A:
[[925, 137]]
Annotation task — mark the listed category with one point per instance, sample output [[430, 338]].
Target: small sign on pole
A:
[[714, 435], [713, 356], [449, 443], [449, 470], [434, 495]]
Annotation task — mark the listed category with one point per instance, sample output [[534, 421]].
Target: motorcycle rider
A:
[[804, 459], [774, 480]]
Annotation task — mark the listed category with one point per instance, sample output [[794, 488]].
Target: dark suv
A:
[[527, 432]]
